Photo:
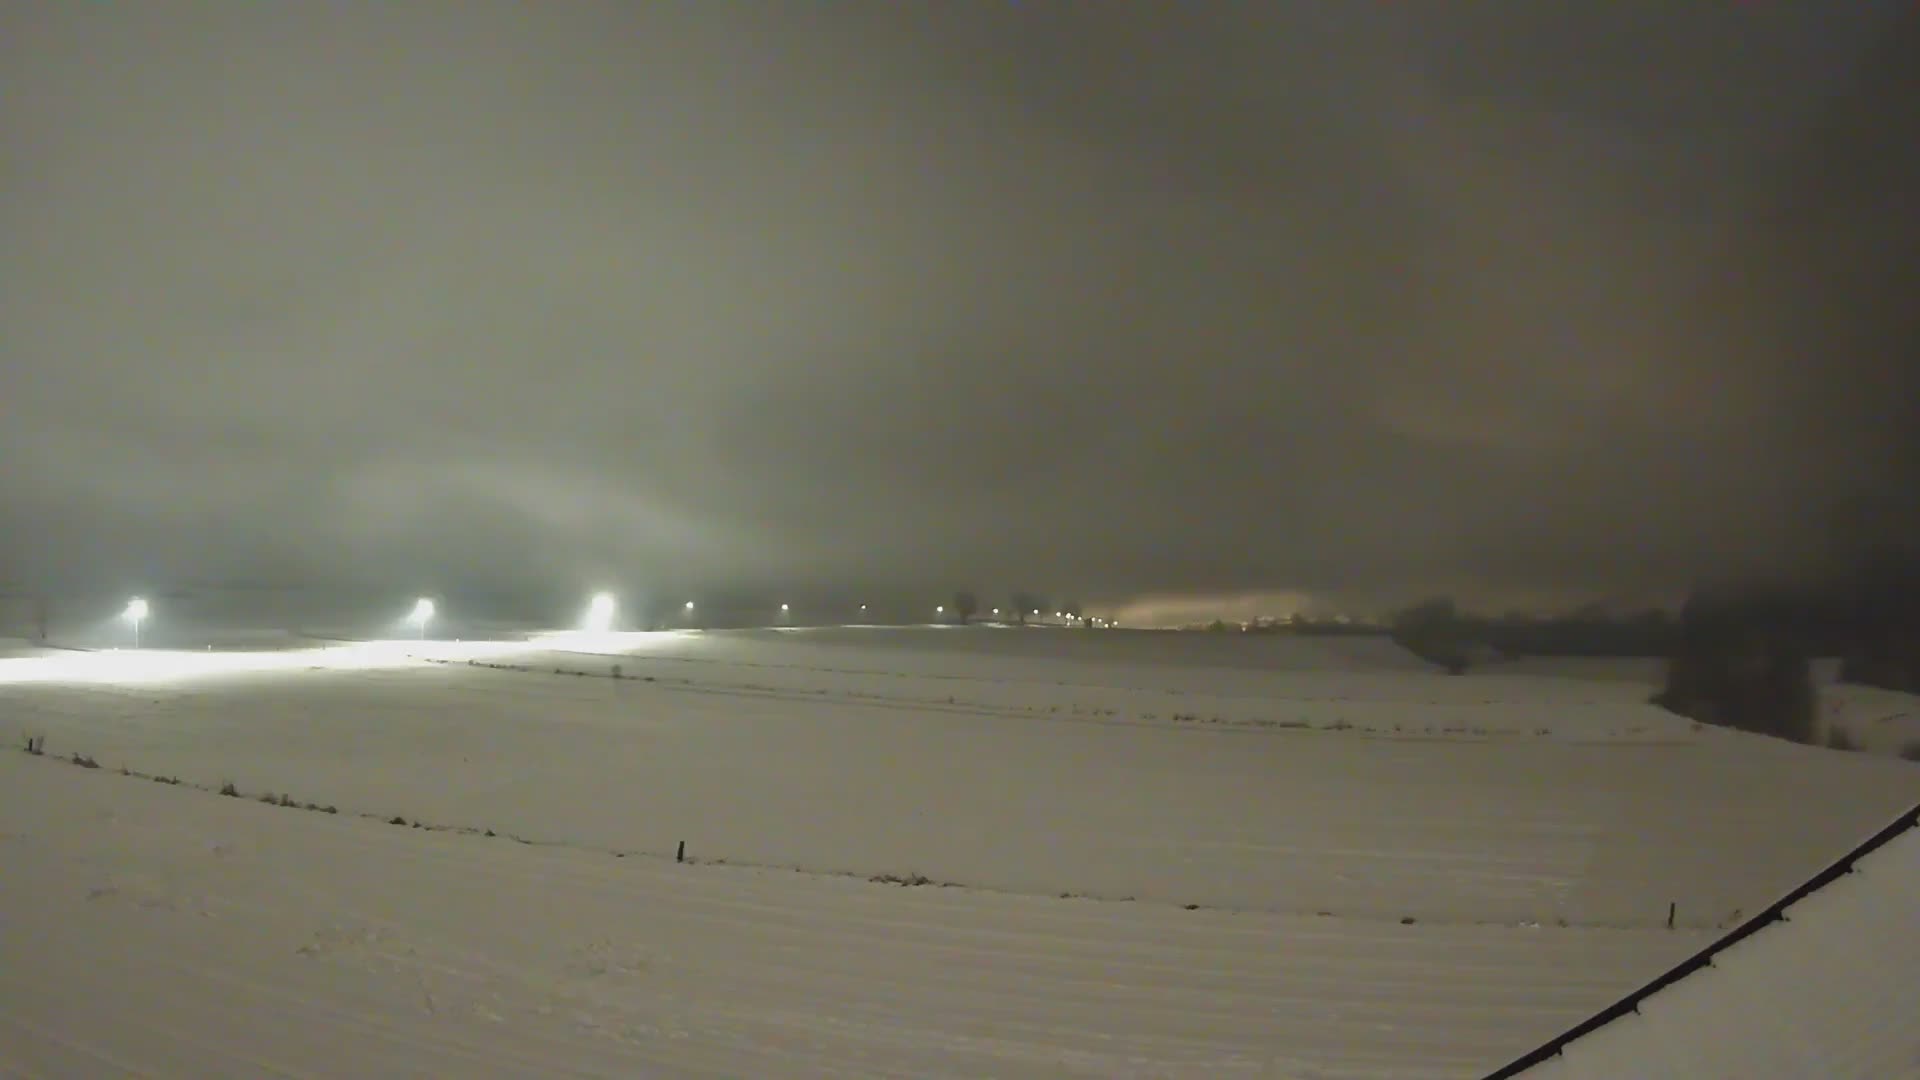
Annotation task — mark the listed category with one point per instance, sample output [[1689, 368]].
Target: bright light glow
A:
[[136, 612], [689, 605], [996, 611], [422, 611], [137, 667], [940, 610], [784, 607], [168, 665], [600, 613]]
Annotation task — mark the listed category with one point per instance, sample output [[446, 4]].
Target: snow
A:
[[1877, 721], [1153, 870], [1831, 991], [156, 929]]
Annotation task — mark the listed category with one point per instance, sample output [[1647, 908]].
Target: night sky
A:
[[1113, 300]]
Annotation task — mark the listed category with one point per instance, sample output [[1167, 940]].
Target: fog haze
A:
[[1123, 301]]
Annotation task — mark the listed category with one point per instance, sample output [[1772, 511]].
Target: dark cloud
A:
[[1117, 299]]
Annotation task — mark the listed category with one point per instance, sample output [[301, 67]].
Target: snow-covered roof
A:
[[1824, 983]]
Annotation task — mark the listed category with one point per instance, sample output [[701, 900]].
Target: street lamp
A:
[[689, 605], [136, 613], [421, 615], [600, 612]]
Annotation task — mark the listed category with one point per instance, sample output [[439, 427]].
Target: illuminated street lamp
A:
[[600, 612], [421, 615], [689, 605], [136, 613]]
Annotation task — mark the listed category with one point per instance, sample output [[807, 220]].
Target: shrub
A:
[[229, 790], [910, 881], [1839, 739]]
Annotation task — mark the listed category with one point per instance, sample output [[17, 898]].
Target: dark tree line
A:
[[1739, 654], [1744, 650]]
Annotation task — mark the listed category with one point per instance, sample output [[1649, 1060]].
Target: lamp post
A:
[[600, 612], [136, 614], [421, 616]]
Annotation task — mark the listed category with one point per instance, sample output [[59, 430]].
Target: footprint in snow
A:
[[139, 893], [335, 939], [607, 959]]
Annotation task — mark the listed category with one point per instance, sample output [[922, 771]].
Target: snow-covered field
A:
[[1166, 855], [1829, 989]]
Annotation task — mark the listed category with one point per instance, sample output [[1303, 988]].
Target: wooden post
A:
[[1671, 905], [681, 854]]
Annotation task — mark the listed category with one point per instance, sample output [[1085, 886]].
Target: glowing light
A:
[[689, 605], [420, 616], [166, 665], [940, 610], [136, 613], [785, 607], [600, 613]]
